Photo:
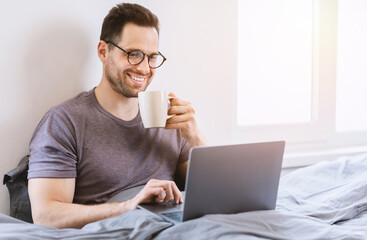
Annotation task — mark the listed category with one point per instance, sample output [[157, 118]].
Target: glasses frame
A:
[[129, 52]]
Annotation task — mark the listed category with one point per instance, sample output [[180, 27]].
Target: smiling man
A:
[[93, 146]]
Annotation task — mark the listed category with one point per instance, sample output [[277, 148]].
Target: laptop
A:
[[226, 179]]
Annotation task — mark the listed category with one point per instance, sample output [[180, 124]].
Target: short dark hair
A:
[[124, 13]]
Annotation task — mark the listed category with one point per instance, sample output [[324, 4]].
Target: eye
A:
[[154, 57], [136, 55]]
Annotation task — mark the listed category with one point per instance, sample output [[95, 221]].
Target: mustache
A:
[[139, 73]]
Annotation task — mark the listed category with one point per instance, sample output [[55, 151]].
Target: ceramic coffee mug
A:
[[153, 106]]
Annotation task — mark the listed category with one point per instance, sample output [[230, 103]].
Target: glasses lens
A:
[[135, 57], [155, 60]]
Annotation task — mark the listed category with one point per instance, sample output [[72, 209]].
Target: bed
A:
[[327, 200]]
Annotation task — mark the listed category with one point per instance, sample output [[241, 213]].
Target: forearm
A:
[[70, 215], [196, 139]]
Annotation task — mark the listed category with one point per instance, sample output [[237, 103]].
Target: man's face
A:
[[124, 78]]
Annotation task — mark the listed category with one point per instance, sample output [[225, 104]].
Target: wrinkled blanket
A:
[[325, 201]]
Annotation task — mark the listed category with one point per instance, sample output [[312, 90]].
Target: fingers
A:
[[160, 191], [160, 195], [178, 101], [150, 194], [169, 193], [180, 109], [187, 119]]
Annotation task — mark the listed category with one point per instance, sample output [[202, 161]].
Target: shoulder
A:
[[66, 114], [73, 107], [77, 103]]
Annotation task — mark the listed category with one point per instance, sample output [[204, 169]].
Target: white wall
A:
[[48, 54]]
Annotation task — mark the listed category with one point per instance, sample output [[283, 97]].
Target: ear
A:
[[102, 51]]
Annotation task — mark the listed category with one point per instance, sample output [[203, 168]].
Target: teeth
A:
[[137, 79]]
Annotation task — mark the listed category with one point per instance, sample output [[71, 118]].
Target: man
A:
[[93, 146]]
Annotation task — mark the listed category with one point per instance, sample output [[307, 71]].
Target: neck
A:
[[116, 104]]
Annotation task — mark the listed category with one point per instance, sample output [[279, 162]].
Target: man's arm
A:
[[184, 119], [51, 202]]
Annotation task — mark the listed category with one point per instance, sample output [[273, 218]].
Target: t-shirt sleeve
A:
[[185, 149], [53, 147]]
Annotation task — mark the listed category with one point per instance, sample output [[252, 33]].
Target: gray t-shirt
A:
[[79, 139]]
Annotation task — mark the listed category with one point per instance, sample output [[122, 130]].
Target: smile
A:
[[138, 79]]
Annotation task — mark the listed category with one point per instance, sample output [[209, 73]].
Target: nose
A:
[[144, 66]]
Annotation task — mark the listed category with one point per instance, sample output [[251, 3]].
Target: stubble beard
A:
[[119, 85]]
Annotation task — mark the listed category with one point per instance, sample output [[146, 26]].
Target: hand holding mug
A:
[[184, 118]]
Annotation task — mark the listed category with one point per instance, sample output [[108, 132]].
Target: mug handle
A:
[[169, 98]]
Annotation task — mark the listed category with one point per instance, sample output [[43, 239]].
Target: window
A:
[[302, 75], [352, 67], [274, 62]]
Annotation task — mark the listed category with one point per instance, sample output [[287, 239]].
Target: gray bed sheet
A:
[[325, 201]]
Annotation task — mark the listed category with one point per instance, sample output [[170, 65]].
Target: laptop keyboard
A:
[[167, 210], [177, 216], [168, 204]]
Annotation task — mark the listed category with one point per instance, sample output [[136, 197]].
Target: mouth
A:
[[138, 79]]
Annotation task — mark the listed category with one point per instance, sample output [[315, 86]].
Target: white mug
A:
[[153, 106]]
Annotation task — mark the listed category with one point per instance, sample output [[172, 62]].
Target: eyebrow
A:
[[136, 49]]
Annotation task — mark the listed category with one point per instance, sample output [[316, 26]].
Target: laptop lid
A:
[[232, 178], [227, 179]]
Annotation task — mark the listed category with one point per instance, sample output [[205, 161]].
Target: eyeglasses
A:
[[135, 57]]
